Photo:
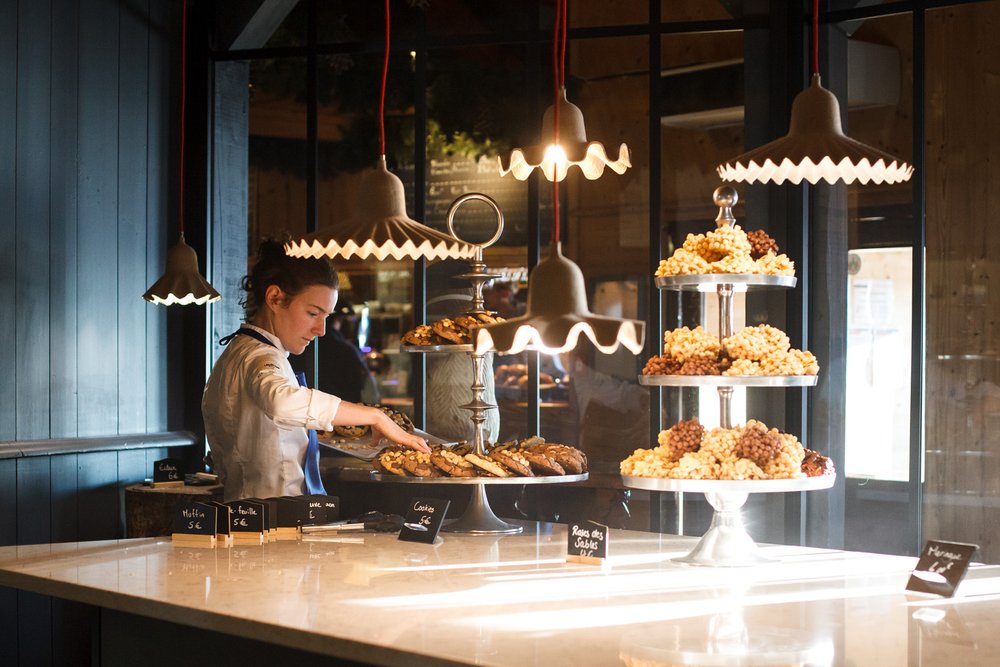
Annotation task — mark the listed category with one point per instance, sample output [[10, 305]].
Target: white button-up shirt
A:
[[256, 416]]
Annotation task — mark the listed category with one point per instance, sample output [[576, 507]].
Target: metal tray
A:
[[362, 448], [547, 479], [728, 380], [464, 348], [709, 282], [730, 485]]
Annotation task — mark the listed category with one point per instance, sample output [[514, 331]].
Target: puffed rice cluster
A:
[[727, 250], [718, 456], [759, 350]]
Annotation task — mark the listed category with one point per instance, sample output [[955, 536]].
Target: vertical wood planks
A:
[[132, 469], [64, 487], [132, 144], [98, 496], [8, 108], [8, 536], [62, 207], [97, 279]]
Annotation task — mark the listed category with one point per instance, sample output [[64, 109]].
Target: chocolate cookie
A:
[[391, 461], [542, 464], [352, 431], [418, 464], [514, 462], [569, 458], [451, 332], [452, 464], [422, 334]]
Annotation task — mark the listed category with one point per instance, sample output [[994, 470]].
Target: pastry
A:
[[486, 464], [402, 420], [570, 458], [451, 332], [418, 464], [815, 464], [488, 318], [462, 448], [468, 323], [422, 334], [391, 460], [540, 463], [514, 462], [452, 464], [351, 431]]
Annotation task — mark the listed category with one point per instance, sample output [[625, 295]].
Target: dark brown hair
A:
[[291, 274]]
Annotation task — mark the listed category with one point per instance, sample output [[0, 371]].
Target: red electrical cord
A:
[[180, 187], [815, 37], [381, 97], [558, 81]]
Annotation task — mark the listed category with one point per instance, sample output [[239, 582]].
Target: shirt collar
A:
[[270, 336]]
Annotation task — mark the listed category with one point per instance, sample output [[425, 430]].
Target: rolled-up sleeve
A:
[[287, 403]]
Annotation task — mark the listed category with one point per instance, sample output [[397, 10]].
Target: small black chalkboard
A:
[[246, 516], [941, 567], [195, 522], [320, 509], [222, 523], [168, 471], [423, 520], [587, 542]]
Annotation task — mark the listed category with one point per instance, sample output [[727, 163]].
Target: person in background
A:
[[260, 420], [343, 370]]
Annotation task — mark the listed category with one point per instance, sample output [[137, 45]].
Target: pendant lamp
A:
[[815, 147], [557, 313], [382, 228], [569, 146], [181, 283]]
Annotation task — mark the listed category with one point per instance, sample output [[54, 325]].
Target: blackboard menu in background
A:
[[941, 567], [423, 520], [587, 542], [448, 178], [168, 471]]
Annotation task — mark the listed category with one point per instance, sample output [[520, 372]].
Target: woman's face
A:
[[299, 319]]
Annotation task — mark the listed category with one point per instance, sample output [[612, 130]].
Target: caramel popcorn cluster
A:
[[727, 250], [759, 350], [689, 451]]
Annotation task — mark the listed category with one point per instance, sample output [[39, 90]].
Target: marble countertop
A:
[[513, 600]]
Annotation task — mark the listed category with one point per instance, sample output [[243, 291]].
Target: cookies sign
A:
[[587, 542], [423, 520]]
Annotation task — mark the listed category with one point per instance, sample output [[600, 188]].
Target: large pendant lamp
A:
[[815, 147], [182, 283], [382, 228], [557, 313], [569, 146]]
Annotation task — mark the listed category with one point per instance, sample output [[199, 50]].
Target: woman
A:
[[259, 421]]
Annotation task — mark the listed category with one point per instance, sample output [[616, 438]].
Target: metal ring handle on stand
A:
[[476, 196]]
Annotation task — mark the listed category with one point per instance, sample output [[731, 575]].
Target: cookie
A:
[[451, 332], [502, 446], [402, 420], [534, 440], [488, 465], [452, 464], [514, 462], [467, 322], [418, 464], [488, 318], [352, 431], [541, 464], [391, 461], [422, 334], [461, 448], [568, 457]]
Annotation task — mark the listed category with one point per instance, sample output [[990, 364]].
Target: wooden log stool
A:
[[149, 511]]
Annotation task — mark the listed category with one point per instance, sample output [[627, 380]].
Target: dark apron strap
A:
[[246, 332]]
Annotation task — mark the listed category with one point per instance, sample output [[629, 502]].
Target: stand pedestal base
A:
[[479, 518], [727, 543]]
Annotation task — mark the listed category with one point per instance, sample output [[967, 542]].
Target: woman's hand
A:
[[385, 427]]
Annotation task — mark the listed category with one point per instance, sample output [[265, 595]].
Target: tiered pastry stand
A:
[[479, 518], [727, 543]]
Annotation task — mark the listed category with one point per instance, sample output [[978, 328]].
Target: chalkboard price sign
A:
[[195, 523], [246, 521], [423, 520], [941, 567], [320, 509], [168, 472], [587, 542]]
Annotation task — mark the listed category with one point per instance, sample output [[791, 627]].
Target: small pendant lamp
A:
[[382, 228], [569, 146], [815, 147], [557, 312], [182, 283]]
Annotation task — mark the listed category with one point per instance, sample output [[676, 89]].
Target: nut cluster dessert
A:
[[529, 457], [752, 452], [727, 249], [449, 331], [759, 350]]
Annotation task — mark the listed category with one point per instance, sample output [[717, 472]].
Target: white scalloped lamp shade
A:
[[557, 315], [573, 150], [181, 283], [815, 149], [382, 230]]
